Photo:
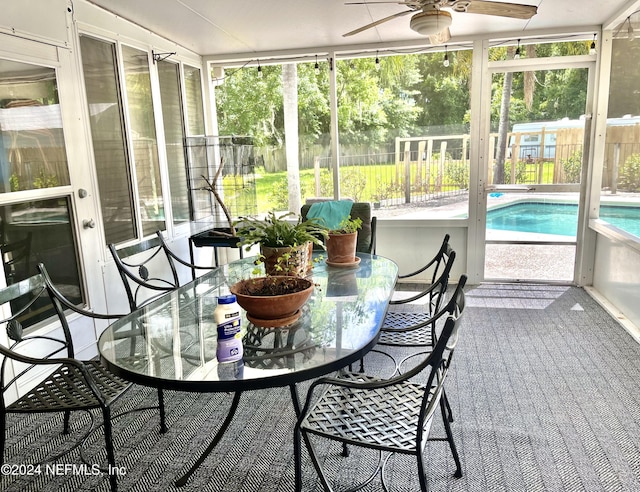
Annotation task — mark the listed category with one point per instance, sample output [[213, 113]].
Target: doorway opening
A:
[[533, 191]]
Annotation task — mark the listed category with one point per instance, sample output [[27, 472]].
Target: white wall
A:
[[412, 243], [617, 278]]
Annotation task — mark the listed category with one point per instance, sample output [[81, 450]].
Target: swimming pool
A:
[[557, 218]]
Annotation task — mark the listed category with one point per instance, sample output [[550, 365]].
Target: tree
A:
[[443, 94], [249, 104]]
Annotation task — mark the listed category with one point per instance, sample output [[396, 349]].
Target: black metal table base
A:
[[216, 439], [223, 428]]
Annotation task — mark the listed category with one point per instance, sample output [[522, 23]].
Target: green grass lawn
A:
[[374, 183]]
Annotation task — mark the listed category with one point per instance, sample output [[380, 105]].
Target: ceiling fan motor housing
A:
[[430, 22]]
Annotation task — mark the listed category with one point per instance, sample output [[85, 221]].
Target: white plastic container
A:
[[228, 321]]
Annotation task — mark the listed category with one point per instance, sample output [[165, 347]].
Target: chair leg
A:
[[108, 441], [66, 419], [452, 444], [446, 402], [345, 450], [297, 450], [163, 422], [422, 473]]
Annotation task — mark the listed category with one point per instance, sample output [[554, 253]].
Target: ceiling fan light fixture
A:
[[430, 22]]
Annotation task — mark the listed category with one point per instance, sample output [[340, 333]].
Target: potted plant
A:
[[285, 245], [272, 301], [341, 243]]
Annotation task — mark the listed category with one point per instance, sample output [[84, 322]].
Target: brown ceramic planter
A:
[[270, 310], [341, 248]]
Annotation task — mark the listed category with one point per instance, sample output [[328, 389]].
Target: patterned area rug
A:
[[544, 389]]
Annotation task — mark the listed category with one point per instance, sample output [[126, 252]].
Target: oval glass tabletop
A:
[[171, 343]]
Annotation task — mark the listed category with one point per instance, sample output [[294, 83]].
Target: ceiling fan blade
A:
[[503, 9], [378, 22], [440, 37], [383, 1]]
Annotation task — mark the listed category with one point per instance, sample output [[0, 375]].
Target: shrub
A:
[[630, 175], [572, 167], [521, 172], [457, 173], [352, 184]]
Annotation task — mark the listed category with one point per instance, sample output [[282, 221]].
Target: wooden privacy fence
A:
[[622, 143]]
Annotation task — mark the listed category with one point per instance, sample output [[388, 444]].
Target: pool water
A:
[[557, 218]]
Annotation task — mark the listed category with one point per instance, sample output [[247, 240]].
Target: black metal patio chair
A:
[[135, 263], [391, 415], [414, 328], [66, 384]]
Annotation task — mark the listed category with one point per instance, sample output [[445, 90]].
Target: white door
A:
[[532, 193], [45, 188]]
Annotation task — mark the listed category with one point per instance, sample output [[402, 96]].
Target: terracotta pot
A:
[[287, 261], [261, 306], [341, 248]]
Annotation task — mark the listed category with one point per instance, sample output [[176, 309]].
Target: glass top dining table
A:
[[171, 342]]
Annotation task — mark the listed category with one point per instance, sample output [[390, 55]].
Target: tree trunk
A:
[[503, 126], [290, 90]]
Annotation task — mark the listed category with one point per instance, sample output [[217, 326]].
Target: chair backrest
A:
[[439, 286], [18, 299], [134, 263], [61, 303], [437, 262], [438, 360], [31, 350], [442, 257], [456, 303], [366, 242], [173, 258]]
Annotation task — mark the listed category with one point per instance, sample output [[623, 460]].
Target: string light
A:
[[317, 67], [517, 55], [377, 62], [629, 25], [592, 48], [445, 61], [259, 70]]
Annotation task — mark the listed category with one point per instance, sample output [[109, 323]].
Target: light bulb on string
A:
[[517, 55], [445, 61], [317, 67], [259, 71], [377, 62], [592, 48]]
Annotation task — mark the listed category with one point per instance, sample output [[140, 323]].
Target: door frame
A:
[[483, 71]]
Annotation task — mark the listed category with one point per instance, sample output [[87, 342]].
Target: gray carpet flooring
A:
[[545, 388]]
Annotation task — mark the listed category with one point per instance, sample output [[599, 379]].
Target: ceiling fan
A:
[[430, 20]]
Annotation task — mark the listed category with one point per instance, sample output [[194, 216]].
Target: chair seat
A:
[[420, 337], [66, 389], [385, 417]]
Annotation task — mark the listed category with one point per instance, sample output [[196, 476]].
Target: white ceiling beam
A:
[[396, 48]]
